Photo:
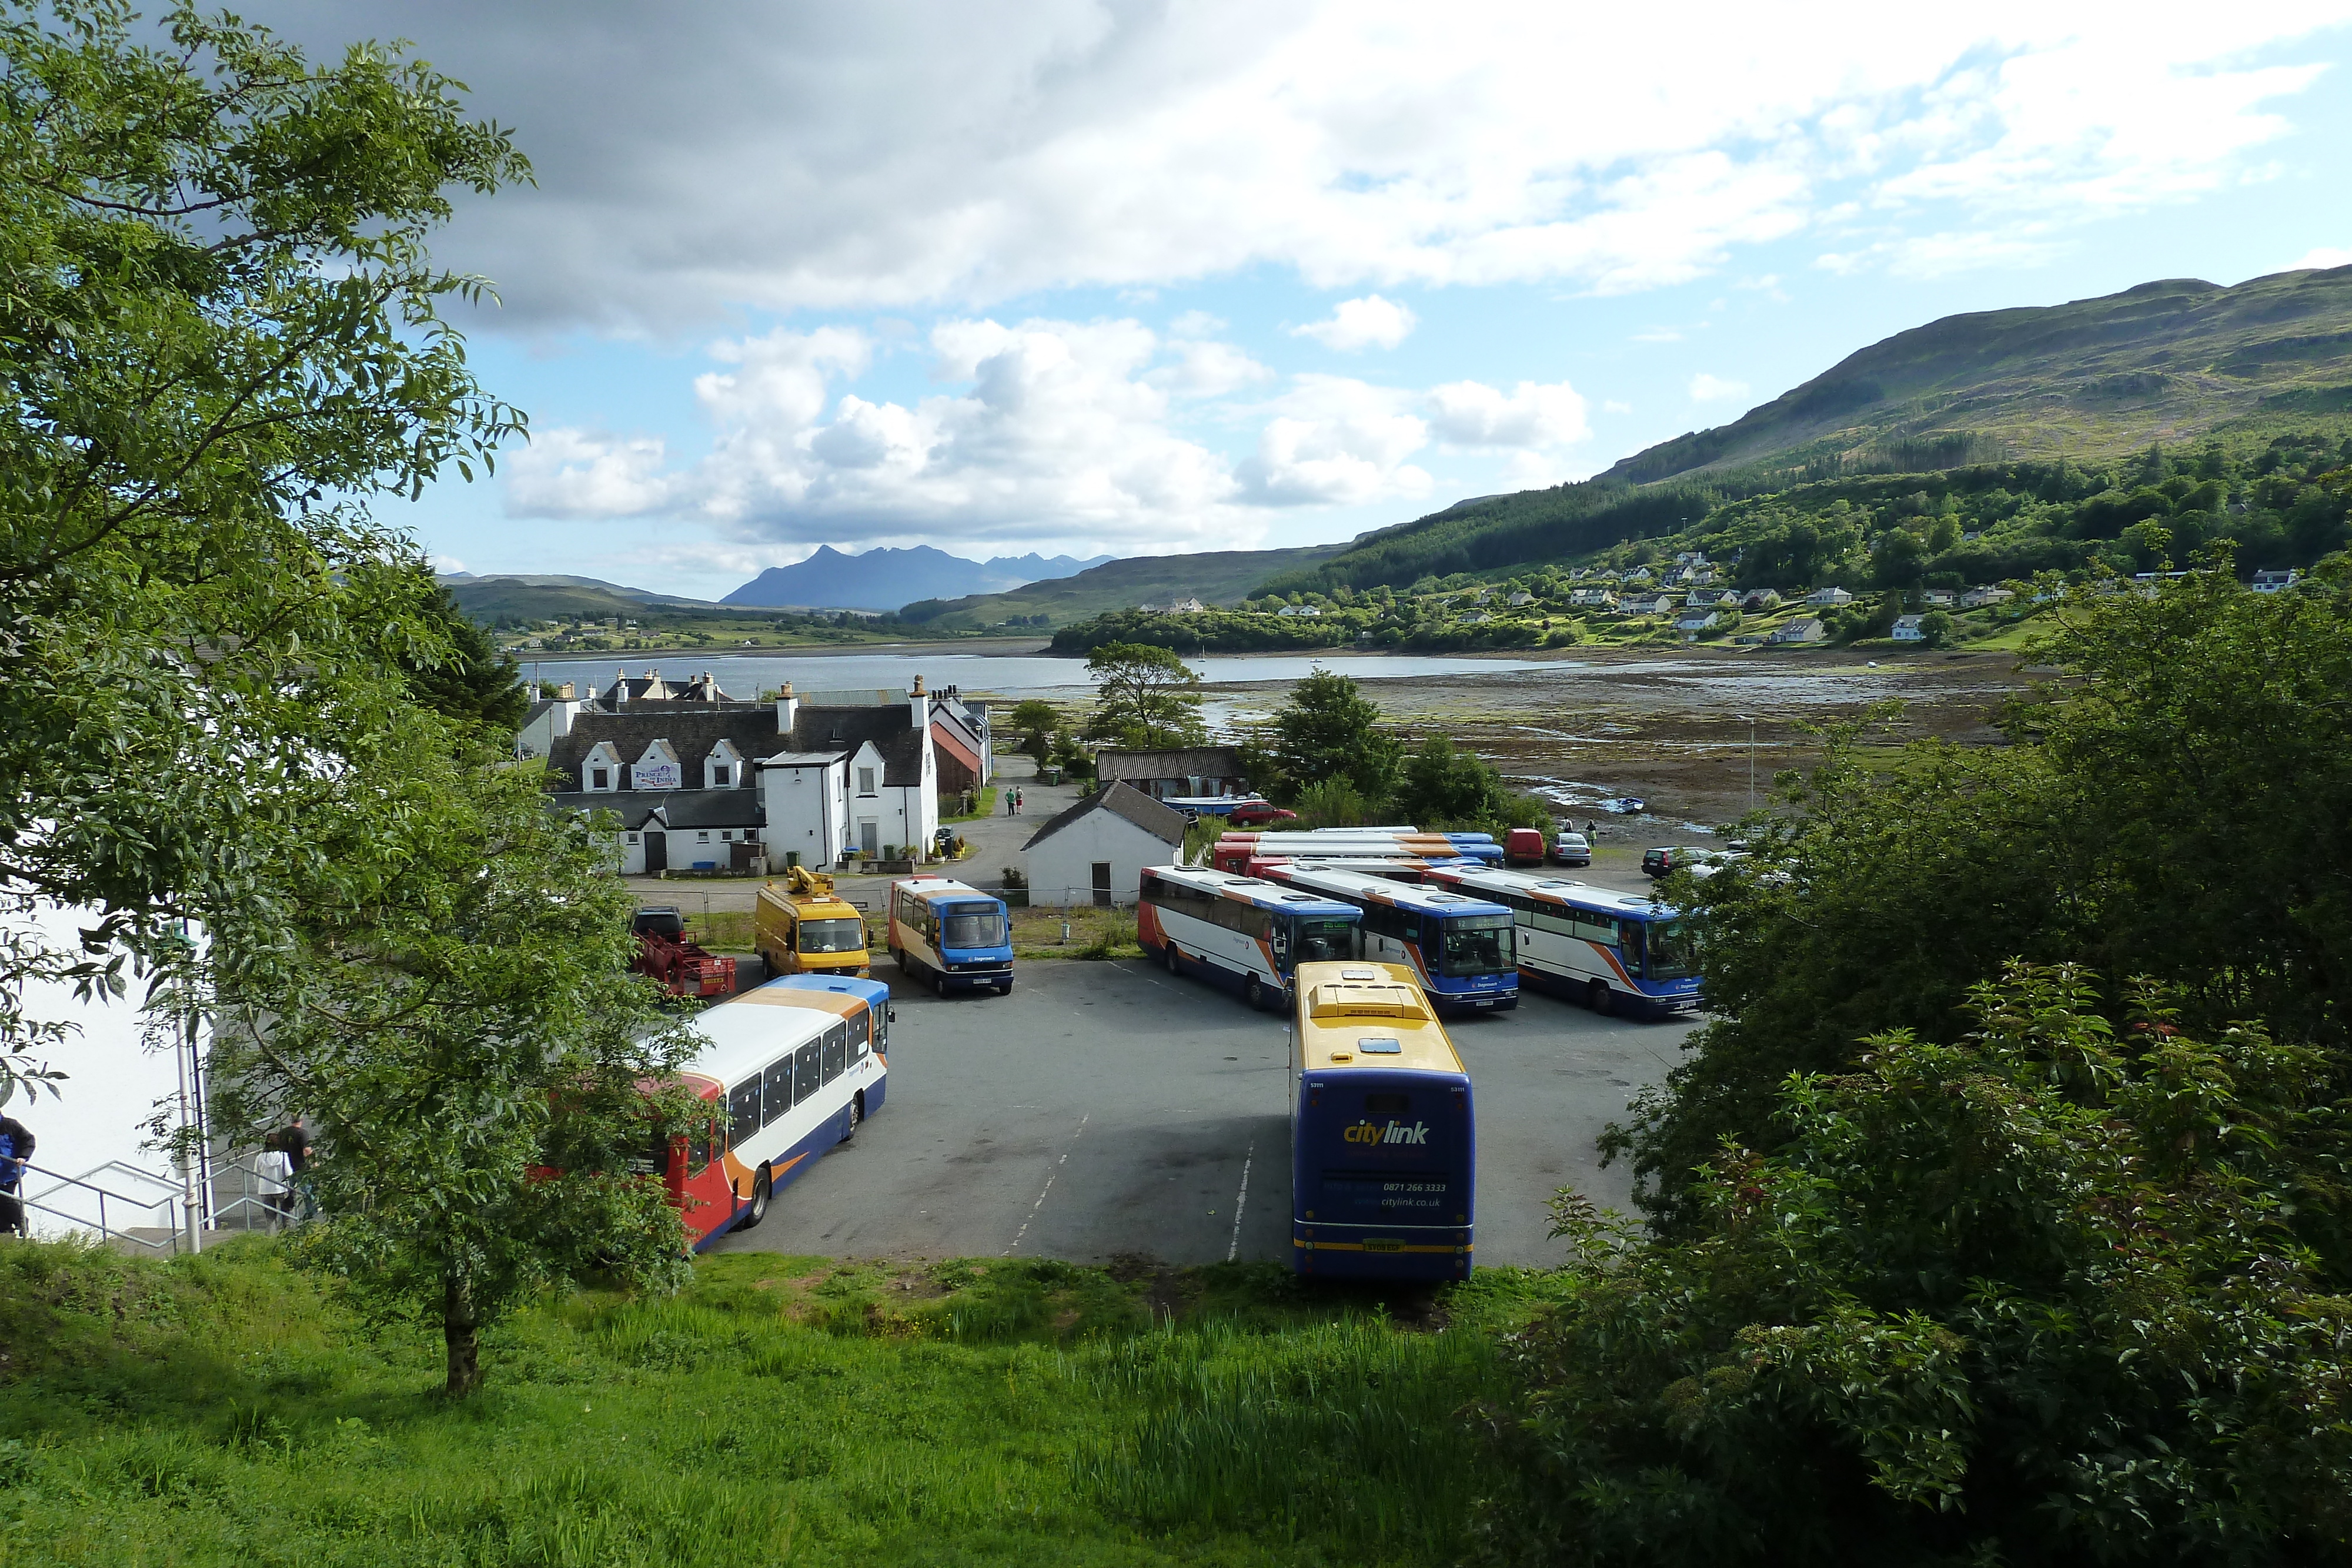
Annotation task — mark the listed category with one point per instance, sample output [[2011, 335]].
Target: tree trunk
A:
[[458, 1333]]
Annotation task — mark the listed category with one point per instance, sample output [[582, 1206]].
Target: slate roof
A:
[[678, 809], [691, 730], [1165, 824], [892, 730], [1179, 762]]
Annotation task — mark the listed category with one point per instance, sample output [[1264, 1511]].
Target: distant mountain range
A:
[[888, 579]]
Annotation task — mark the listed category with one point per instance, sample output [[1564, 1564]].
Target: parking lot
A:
[[1104, 1110]]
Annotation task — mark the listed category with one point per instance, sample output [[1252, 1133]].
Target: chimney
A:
[[567, 692], [918, 706], [788, 711], [620, 687]]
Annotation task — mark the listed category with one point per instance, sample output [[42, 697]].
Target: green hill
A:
[[1213, 577], [521, 601], [2056, 402]]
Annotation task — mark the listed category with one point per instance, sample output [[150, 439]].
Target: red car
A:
[[1259, 814]]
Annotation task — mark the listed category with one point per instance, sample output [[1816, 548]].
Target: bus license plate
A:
[[1383, 1244]]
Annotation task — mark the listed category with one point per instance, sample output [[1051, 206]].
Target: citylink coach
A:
[[1458, 945], [1237, 931], [1382, 1139], [1614, 952], [788, 1069], [959, 936]]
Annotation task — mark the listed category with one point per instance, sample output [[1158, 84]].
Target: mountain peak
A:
[[885, 579]]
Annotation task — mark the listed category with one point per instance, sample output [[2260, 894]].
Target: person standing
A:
[[16, 1148], [293, 1141]]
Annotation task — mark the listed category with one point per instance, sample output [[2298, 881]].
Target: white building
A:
[[1939, 599], [1829, 596], [1804, 629], [1592, 599], [1186, 607], [1095, 852], [1907, 629], [2275, 581], [1978, 598], [1299, 612]]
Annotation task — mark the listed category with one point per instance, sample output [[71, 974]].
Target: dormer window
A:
[[719, 767], [720, 776], [600, 779], [601, 768]]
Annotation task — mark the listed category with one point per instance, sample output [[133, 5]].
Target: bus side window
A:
[[698, 1148], [861, 1030], [743, 1110], [776, 1090], [836, 1052], [807, 1071]]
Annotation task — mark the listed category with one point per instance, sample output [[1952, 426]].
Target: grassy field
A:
[[222, 1410]]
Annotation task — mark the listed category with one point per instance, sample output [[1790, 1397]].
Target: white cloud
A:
[[1370, 322], [1208, 370], [1471, 414], [2321, 257], [1336, 440], [1612, 405], [1704, 388], [447, 563], [569, 472], [693, 160]]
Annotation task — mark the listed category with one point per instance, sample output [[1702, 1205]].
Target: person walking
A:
[[16, 1148], [274, 1174], [293, 1141]]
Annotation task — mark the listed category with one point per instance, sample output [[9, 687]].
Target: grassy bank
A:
[[222, 1410]]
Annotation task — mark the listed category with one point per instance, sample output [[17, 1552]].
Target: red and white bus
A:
[[788, 1069]]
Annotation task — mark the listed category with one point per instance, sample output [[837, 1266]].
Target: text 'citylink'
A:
[[1393, 1132]]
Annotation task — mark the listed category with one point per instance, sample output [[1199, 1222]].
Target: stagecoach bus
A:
[[790, 1069], [1240, 932], [1382, 1138], [1611, 951], [1459, 947], [959, 936]]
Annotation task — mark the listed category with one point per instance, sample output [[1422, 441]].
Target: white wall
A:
[[102, 1109], [1061, 870]]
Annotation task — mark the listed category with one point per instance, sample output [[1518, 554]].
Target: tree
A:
[[2174, 810], [1037, 721], [437, 972], [464, 677], [219, 337], [1935, 627], [1444, 785], [1328, 729], [1144, 696], [2032, 1298]]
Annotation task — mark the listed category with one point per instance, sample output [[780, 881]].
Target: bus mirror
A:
[[890, 1015]]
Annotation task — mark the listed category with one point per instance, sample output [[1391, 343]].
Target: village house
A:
[[1978, 598], [1692, 624], [1476, 618], [705, 783], [2268, 581], [1185, 771], [1300, 612], [1828, 597], [1096, 852], [1939, 598], [1522, 597], [1907, 629], [1640, 604], [1592, 599], [1759, 598], [1804, 629], [1186, 607]]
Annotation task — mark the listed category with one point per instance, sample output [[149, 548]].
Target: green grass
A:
[[782, 1410], [984, 805]]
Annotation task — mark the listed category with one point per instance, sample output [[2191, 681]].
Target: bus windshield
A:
[[973, 925], [833, 935], [1477, 945], [1323, 941], [1673, 955]]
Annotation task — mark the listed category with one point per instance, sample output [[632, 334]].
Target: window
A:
[[703, 837], [1477, 945], [743, 1110], [1322, 938], [973, 925], [836, 1052], [720, 776], [808, 1067], [600, 779], [633, 838], [861, 1030], [866, 781], [776, 1090], [698, 1148], [1673, 955], [845, 935]]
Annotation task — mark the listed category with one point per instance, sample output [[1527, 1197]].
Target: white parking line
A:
[[1049, 1187], [1233, 1248]]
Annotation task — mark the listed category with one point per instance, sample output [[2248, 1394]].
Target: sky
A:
[[1140, 278]]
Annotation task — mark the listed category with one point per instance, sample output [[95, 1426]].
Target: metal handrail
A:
[[107, 1231]]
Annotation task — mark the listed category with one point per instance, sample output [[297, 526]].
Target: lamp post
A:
[[1751, 756]]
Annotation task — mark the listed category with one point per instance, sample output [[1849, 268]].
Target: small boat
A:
[[1625, 805]]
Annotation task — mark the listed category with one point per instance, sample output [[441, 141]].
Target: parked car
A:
[[1259, 814], [1572, 849], [1659, 862], [1523, 846]]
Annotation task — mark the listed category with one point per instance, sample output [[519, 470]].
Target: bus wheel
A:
[[761, 1188], [939, 987], [1169, 953], [1254, 994], [1598, 997], [1003, 988], [856, 1115]]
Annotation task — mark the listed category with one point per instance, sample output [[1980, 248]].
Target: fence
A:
[[122, 1204]]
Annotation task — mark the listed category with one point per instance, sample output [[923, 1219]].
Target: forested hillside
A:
[[2079, 405]]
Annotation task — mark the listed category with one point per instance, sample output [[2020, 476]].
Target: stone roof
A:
[[892, 730], [692, 732], [677, 808], [1165, 824]]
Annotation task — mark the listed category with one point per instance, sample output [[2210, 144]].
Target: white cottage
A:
[[1095, 852]]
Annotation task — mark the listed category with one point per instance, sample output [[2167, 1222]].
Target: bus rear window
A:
[[973, 925], [1478, 945], [1321, 941]]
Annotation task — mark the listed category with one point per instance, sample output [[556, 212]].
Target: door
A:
[[656, 852], [869, 839], [1102, 885]]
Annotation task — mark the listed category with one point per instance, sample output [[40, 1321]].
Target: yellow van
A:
[[802, 927]]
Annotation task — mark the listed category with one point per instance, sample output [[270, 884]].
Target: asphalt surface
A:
[[1104, 1111]]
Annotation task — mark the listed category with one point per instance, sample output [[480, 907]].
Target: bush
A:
[[2032, 1298]]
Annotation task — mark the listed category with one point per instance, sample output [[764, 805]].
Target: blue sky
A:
[[1092, 278]]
